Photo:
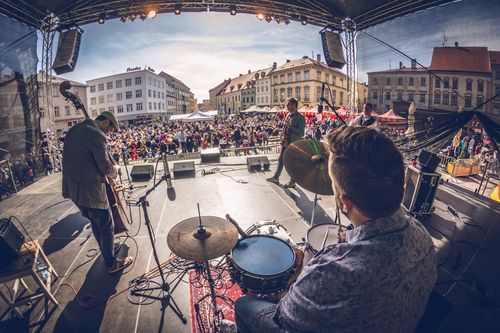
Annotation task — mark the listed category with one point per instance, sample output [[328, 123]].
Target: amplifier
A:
[[257, 163], [420, 190], [210, 155], [11, 241], [184, 169], [142, 172]]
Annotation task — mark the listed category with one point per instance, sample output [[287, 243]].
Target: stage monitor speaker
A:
[[11, 241], [257, 163], [184, 169], [67, 51], [210, 155], [427, 161], [332, 49], [142, 172], [420, 190]]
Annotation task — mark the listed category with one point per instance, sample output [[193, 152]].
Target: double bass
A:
[[120, 217]]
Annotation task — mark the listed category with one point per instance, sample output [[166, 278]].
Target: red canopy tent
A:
[[391, 119]]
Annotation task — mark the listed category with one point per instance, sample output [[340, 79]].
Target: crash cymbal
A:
[[306, 161], [187, 242]]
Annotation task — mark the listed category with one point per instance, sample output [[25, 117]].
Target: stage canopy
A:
[[389, 117], [69, 13]]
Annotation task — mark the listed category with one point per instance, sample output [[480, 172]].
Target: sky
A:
[[200, 49]]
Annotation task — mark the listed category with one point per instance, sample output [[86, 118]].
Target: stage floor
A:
[[66, 238]]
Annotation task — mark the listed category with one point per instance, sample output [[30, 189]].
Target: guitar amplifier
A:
[[210, 155], [142, 172], [184, 169], [420, 190], [11, 241], [257, 163]]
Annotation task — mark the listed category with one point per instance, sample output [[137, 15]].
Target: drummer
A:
[[380, 279]]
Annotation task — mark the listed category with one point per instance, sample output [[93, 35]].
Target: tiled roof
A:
[[494, 57], [303, 62], [401, 70], [240, 82], [59, 80], [462, 59]]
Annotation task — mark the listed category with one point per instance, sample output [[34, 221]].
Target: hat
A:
[[111, 117]]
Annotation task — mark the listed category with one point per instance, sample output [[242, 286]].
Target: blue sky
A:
[[201, 49]]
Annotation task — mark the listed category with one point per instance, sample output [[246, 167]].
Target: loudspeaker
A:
[[11, 241], [142, 172], [257, 163], [67, 51], [420, 190], [184, 169], [428, 161], [332, 49], [210, 155]]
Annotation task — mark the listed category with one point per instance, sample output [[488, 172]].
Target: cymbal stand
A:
[[164, 288], [316, 199]]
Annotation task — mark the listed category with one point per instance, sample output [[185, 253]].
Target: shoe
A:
[[120, 264], [290, 184], [274, 180], [116, 247], [228, 326]]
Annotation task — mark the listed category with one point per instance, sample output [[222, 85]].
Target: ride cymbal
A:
[[306, 161], [187, 242]]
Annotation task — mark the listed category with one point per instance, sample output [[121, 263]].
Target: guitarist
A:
[[86, 164], [295, 124]]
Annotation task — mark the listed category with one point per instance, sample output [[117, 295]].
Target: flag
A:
[[456, 139]]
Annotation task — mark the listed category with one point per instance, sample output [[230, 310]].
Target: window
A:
[[149, 82], [327, 78], [411, 81], [297, 93], [400, 95], [42, 113], [138, 93], [92, 89], [111, 109], [374, 94], [446, 98], [318, 75], [282, 78], [307, 75], [341, 98], [77, 111], [318, 93], [479, 102], [480, 85], [453, 99], [110, 98], [56, 111], [109, 85], [289, 77], [411, 96], [119, 96], [289, 92], [128, 82], [454, 83], [154, 82], [154, 93], [66, 110], [334, 97], [130, 108], [275, 79], [306, 92], [437, 97], [342, 83], [150, 106], [100, 87], [149, 92], [118, 83], [93, 101], [423, 82], [437, 83], [335, 79], [446, 84], [162, 95], [468, 101], [282, 94], [375, 81], [388, 95], [138, 80], [128, 95], [154, 105], [468, 85], [55, 91], [400, 81], [388, 81], [119, 108], [422, 98], [101, 99]]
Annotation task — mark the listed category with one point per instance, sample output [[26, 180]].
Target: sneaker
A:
[[290, 184], [228, 326], [120, 264], [274, 180]]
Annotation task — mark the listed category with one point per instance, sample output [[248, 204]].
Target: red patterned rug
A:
[[198, 287]]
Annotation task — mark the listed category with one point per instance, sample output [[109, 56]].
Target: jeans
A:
[[103, 229], [255, 315], [280, 163]]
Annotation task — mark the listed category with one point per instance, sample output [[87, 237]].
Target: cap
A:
[[111, 117]]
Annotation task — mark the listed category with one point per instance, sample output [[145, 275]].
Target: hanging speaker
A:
[[67, 51], [332, 49]]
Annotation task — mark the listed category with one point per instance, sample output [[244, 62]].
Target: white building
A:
[[136, 95], [263, 86]]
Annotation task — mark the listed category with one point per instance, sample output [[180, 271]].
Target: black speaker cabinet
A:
[[210, 155], [67, 51], [428, 161], [142, 173], [11, 241], [420, 190], [257, 163], [332, 49], [184, 169]]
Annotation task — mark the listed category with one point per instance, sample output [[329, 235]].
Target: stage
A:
[[66, 238]]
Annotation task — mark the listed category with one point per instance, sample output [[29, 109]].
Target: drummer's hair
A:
[[369, 168]]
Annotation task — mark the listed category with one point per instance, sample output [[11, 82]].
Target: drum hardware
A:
[[271, 228], [240, 231]]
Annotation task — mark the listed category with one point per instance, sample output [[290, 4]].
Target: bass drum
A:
[[262, 264], [319, 237]]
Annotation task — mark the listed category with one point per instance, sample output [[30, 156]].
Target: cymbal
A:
[[306, 161], [185, 240]]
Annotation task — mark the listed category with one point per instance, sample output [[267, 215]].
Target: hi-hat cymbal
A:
[[306, 161], [219, 237]]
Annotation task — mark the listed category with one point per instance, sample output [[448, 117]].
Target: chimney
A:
[[413, 63], [241, 74], [287, 60], [318, 57], [249, 71], [305, 57], [456, 44], [400, 65], [275, 65]]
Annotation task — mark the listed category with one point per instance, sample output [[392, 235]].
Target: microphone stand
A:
[[164, 288], [333, 109]]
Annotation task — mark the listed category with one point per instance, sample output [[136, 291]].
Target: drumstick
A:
[[325, 238]]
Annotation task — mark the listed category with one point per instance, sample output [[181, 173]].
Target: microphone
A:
[[166, 171], [322, 98]]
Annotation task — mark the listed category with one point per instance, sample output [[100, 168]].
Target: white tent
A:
[[177, 117], [198, 116], [253, 108]]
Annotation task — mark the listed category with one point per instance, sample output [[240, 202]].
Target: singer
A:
[[365, 119]]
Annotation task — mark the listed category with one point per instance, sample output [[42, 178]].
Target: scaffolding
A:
[[349, 42]]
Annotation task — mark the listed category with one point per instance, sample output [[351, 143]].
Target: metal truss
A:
[[349, 42]]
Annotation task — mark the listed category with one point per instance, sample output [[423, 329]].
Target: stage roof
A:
[[69, 13]]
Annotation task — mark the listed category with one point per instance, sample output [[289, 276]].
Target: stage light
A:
[[143, 16], [132, 17], [287, 21], [123, 18], [152, 13], [304, 20], [101, 19], [232, 10], [268, 18], [261, 16], [177, 9]]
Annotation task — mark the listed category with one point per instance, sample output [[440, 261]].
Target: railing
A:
[[444, 160]]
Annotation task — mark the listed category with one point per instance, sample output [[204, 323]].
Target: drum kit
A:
[[264, 259]]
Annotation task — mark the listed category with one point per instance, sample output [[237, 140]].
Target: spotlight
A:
[[152, 13], [123, 18], [101, 19], [304, 20], [268, 18], [278, 20], [232, 10], [143, 16], [177, 9], [132, 17], [287, 21], [261, 16]]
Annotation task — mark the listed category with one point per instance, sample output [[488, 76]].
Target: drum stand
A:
[[316, 199]]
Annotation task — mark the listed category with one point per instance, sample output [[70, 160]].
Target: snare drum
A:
[[262, 264], [327, 233]]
